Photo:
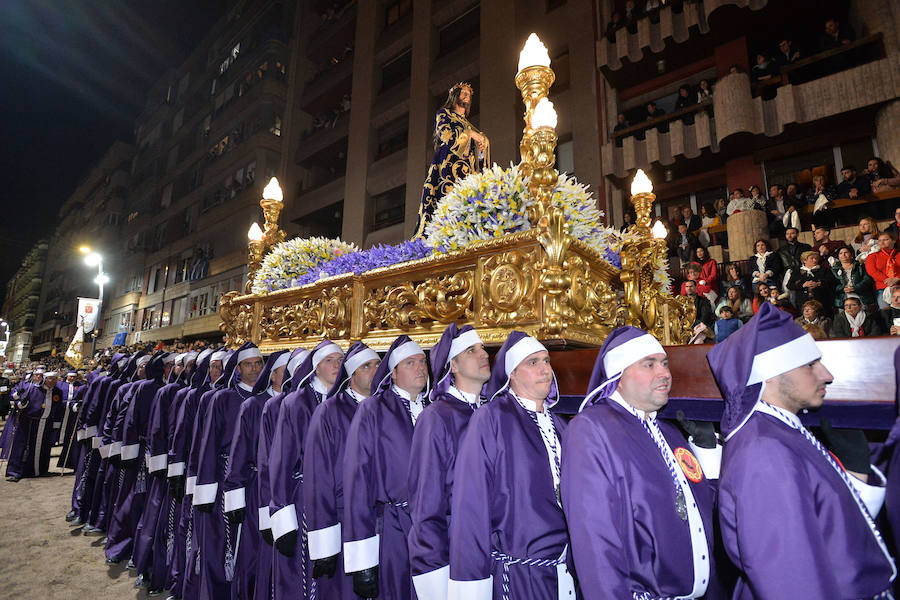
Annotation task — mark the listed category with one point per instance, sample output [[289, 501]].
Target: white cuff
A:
[[264, 521], [57, 424], [361, 554], [176, 469], [205, 493], [189, 485], [90, 431], [157, 463], [327, 542], [434, 584], [283, 521], [710, 459], [131, 451], [234, 499], [479, 589], [79, 435], [96, 443], [871, 495], [104, 450], [115, 448]]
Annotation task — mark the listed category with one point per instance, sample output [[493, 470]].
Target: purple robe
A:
[[323, 492], [218, 536], [72, 396], [376, 463], [241, 491], [152, 531], [618, 492], [504, 501], [789, 522], [271, 561], [96, 505], [433, 455], [88, 459], [29, 454]]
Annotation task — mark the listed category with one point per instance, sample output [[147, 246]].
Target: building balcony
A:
[[207, 325], [388, 173], [319, 197], [324, 81], [335, 33], [390, 104], [319, 139]]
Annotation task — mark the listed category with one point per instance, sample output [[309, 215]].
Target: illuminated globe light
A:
[[534, 54], [93, 259], [659, 231], [85, 249], [101, 279], [544, 115], [273, 191], [255, 234], [641, 184]]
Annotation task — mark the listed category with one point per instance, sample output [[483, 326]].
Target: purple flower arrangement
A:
[[366, 260]]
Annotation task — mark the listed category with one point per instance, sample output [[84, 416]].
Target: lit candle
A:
[[641, 184], [659, 231], [273, 191], [255, 234], [544, 115], [534, 54]]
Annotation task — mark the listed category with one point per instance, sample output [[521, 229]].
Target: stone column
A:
[[361, 138], [501, 118], [886, 120], [744, 228], [421, 115]]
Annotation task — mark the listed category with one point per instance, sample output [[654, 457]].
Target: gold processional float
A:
[[541, 281]]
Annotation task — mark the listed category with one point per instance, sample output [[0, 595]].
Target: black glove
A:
[[129, 463], [849, 445], [365, 582], [287, 543], [703, 433], [325, 566], [115, 459], [235, 516], [176, 487], [207, 508], [267, 536]]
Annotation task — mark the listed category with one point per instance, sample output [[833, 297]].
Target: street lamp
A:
[[94, 259]]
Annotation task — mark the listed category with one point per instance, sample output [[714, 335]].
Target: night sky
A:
[[73, 76]]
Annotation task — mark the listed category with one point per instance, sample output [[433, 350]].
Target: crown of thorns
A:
[[460, 86]]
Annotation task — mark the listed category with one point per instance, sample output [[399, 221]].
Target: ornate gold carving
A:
[[442, 299], [336, 311], [508, 284], [237, 319], [272, 234]]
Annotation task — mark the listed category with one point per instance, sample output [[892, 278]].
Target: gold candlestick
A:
[[272, 203], [533, 79], [254, 258]]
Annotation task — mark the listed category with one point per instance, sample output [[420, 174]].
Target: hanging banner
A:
[[74, 354], [88, 310]]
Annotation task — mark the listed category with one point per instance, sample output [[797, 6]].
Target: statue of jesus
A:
[[459, 150]]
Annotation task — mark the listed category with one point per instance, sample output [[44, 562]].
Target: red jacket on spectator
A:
[[883, 264], [709, 272]]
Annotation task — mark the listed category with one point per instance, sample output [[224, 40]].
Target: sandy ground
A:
[[41, 557]]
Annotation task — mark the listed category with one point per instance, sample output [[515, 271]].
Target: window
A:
[[396, 70], [229, 60], [166, 199], [565, 160], [178, 120], [275, 129], [388, 208], [251, 172], [460, 31], [396, 10], [560, 66]]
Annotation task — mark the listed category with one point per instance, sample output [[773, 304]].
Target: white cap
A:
[[218, 355], [189, 356], [282, 360], [461, 342], [520, 351], [143, 360], [402, 352], [51, 374], [170, 358], [252, 352], [359, 359]]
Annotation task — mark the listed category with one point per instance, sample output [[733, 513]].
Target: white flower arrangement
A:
[[283, 266]]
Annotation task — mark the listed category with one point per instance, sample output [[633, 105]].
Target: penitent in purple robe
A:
[[181, 434], [790, 523], [87, 457], [240, 486], [628, 538], [132, 491], [29, 454], [72, 396], [376, 466], [215, 427], [151, 537]]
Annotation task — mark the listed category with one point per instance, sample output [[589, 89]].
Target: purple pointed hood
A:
[[770, 344], [453, 341], [298, 356], [230, 372], [517, 346], [400, 349], [357, 355], [621, 349], [262, 381]]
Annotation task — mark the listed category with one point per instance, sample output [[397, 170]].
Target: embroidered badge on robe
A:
[[689, 464]]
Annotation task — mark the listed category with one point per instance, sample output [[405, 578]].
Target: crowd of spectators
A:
[[688, 95], [833, 289]]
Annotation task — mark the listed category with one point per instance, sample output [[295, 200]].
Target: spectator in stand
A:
[[789, 253], [786, 54], [793, 195], [894, 228], [821, 197], [693, 221], [826, 247], [811, 314], [890, 315], [813, 282], [851, 278], [739, 202], [621, 124], [777, 207], [835, 35], [652, 9], [721, 207], [632, 14], [684, 244], [763, 68], [734, 278], [781, 300], [627, 219], [883, 177], [741, 307], [756, 197], [615, 23], [819, 189], [866, 240], [654, 112], [693, 274], [703, 309], [853, 186], [708, 218], [704, 92], [883, 267], [767, 267], [853, 321], [726, 324], [760, 296], [684, 100], [709, 270]]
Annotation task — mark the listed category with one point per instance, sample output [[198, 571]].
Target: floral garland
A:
[[367, 260], [289, 261], [495, 203]]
